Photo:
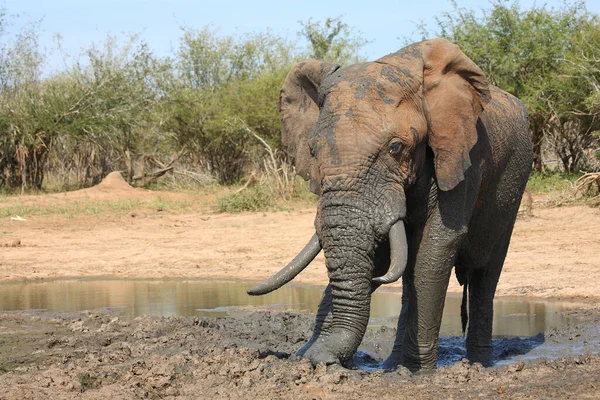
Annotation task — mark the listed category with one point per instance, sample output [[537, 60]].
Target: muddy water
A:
[[132, 298]]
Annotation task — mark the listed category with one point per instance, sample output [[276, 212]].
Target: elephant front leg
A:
[[424, 316], [395, 358], [426, 296]]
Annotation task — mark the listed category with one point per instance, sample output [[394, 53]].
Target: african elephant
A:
[[420, 166]]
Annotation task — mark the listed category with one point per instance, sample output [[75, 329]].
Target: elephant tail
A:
[[463, 277], [464, 313]]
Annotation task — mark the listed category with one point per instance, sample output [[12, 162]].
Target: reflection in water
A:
[[132, 298]]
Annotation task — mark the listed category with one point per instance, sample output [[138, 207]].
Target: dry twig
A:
[[584, 186], [251, 178], [149, 177]]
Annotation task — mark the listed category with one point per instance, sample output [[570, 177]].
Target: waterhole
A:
[[513, 317], [132, 298]]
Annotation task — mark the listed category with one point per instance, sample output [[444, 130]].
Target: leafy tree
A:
[[94, 116], [579, 94], [522, 51], [123, 83], [333, 41], [27, 116], [225, 84], [118, 105]]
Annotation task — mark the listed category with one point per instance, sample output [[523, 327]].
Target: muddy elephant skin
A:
[[420, 166]]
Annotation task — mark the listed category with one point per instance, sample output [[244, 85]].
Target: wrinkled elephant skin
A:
[[420, 165]]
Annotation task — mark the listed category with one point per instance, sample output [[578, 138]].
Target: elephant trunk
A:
[[351, 303], [349, 246]]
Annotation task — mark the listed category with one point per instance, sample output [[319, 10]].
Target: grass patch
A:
[[562, 188], [258, 197], [264, 196], [551, 182], [255, 198], [71, 208]]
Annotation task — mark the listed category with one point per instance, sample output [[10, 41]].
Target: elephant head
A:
[[364, 136]]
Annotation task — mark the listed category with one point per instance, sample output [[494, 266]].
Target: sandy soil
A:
[[555, 253]]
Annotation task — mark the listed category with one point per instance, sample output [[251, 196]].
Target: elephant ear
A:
[[298, 106], [455, 92]]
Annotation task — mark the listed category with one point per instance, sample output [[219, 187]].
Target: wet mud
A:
[[250, 354]]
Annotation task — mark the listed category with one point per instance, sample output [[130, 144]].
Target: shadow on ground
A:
[[452, 349]]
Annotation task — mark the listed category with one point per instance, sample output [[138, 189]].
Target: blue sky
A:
[[82, 22]]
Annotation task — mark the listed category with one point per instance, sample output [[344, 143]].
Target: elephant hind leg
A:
[[482, 284]]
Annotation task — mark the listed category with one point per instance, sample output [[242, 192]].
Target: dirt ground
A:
[[553, 254], [246, 356]]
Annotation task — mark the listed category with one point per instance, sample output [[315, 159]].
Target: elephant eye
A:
[[395, 148]]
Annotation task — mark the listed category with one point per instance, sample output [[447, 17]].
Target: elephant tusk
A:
[[289, 272], [398, 254]]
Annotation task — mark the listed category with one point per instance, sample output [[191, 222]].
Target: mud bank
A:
[[250, 355]]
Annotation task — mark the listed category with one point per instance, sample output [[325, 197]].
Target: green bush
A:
[[545, 56], [256, 198]]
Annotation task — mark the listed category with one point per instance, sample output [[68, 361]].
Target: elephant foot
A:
[[392, 362], [337, 348], [319, 355], [480, 354], [484, 361], [305, 348]]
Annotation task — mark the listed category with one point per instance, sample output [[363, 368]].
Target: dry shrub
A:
[[588, 186]]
